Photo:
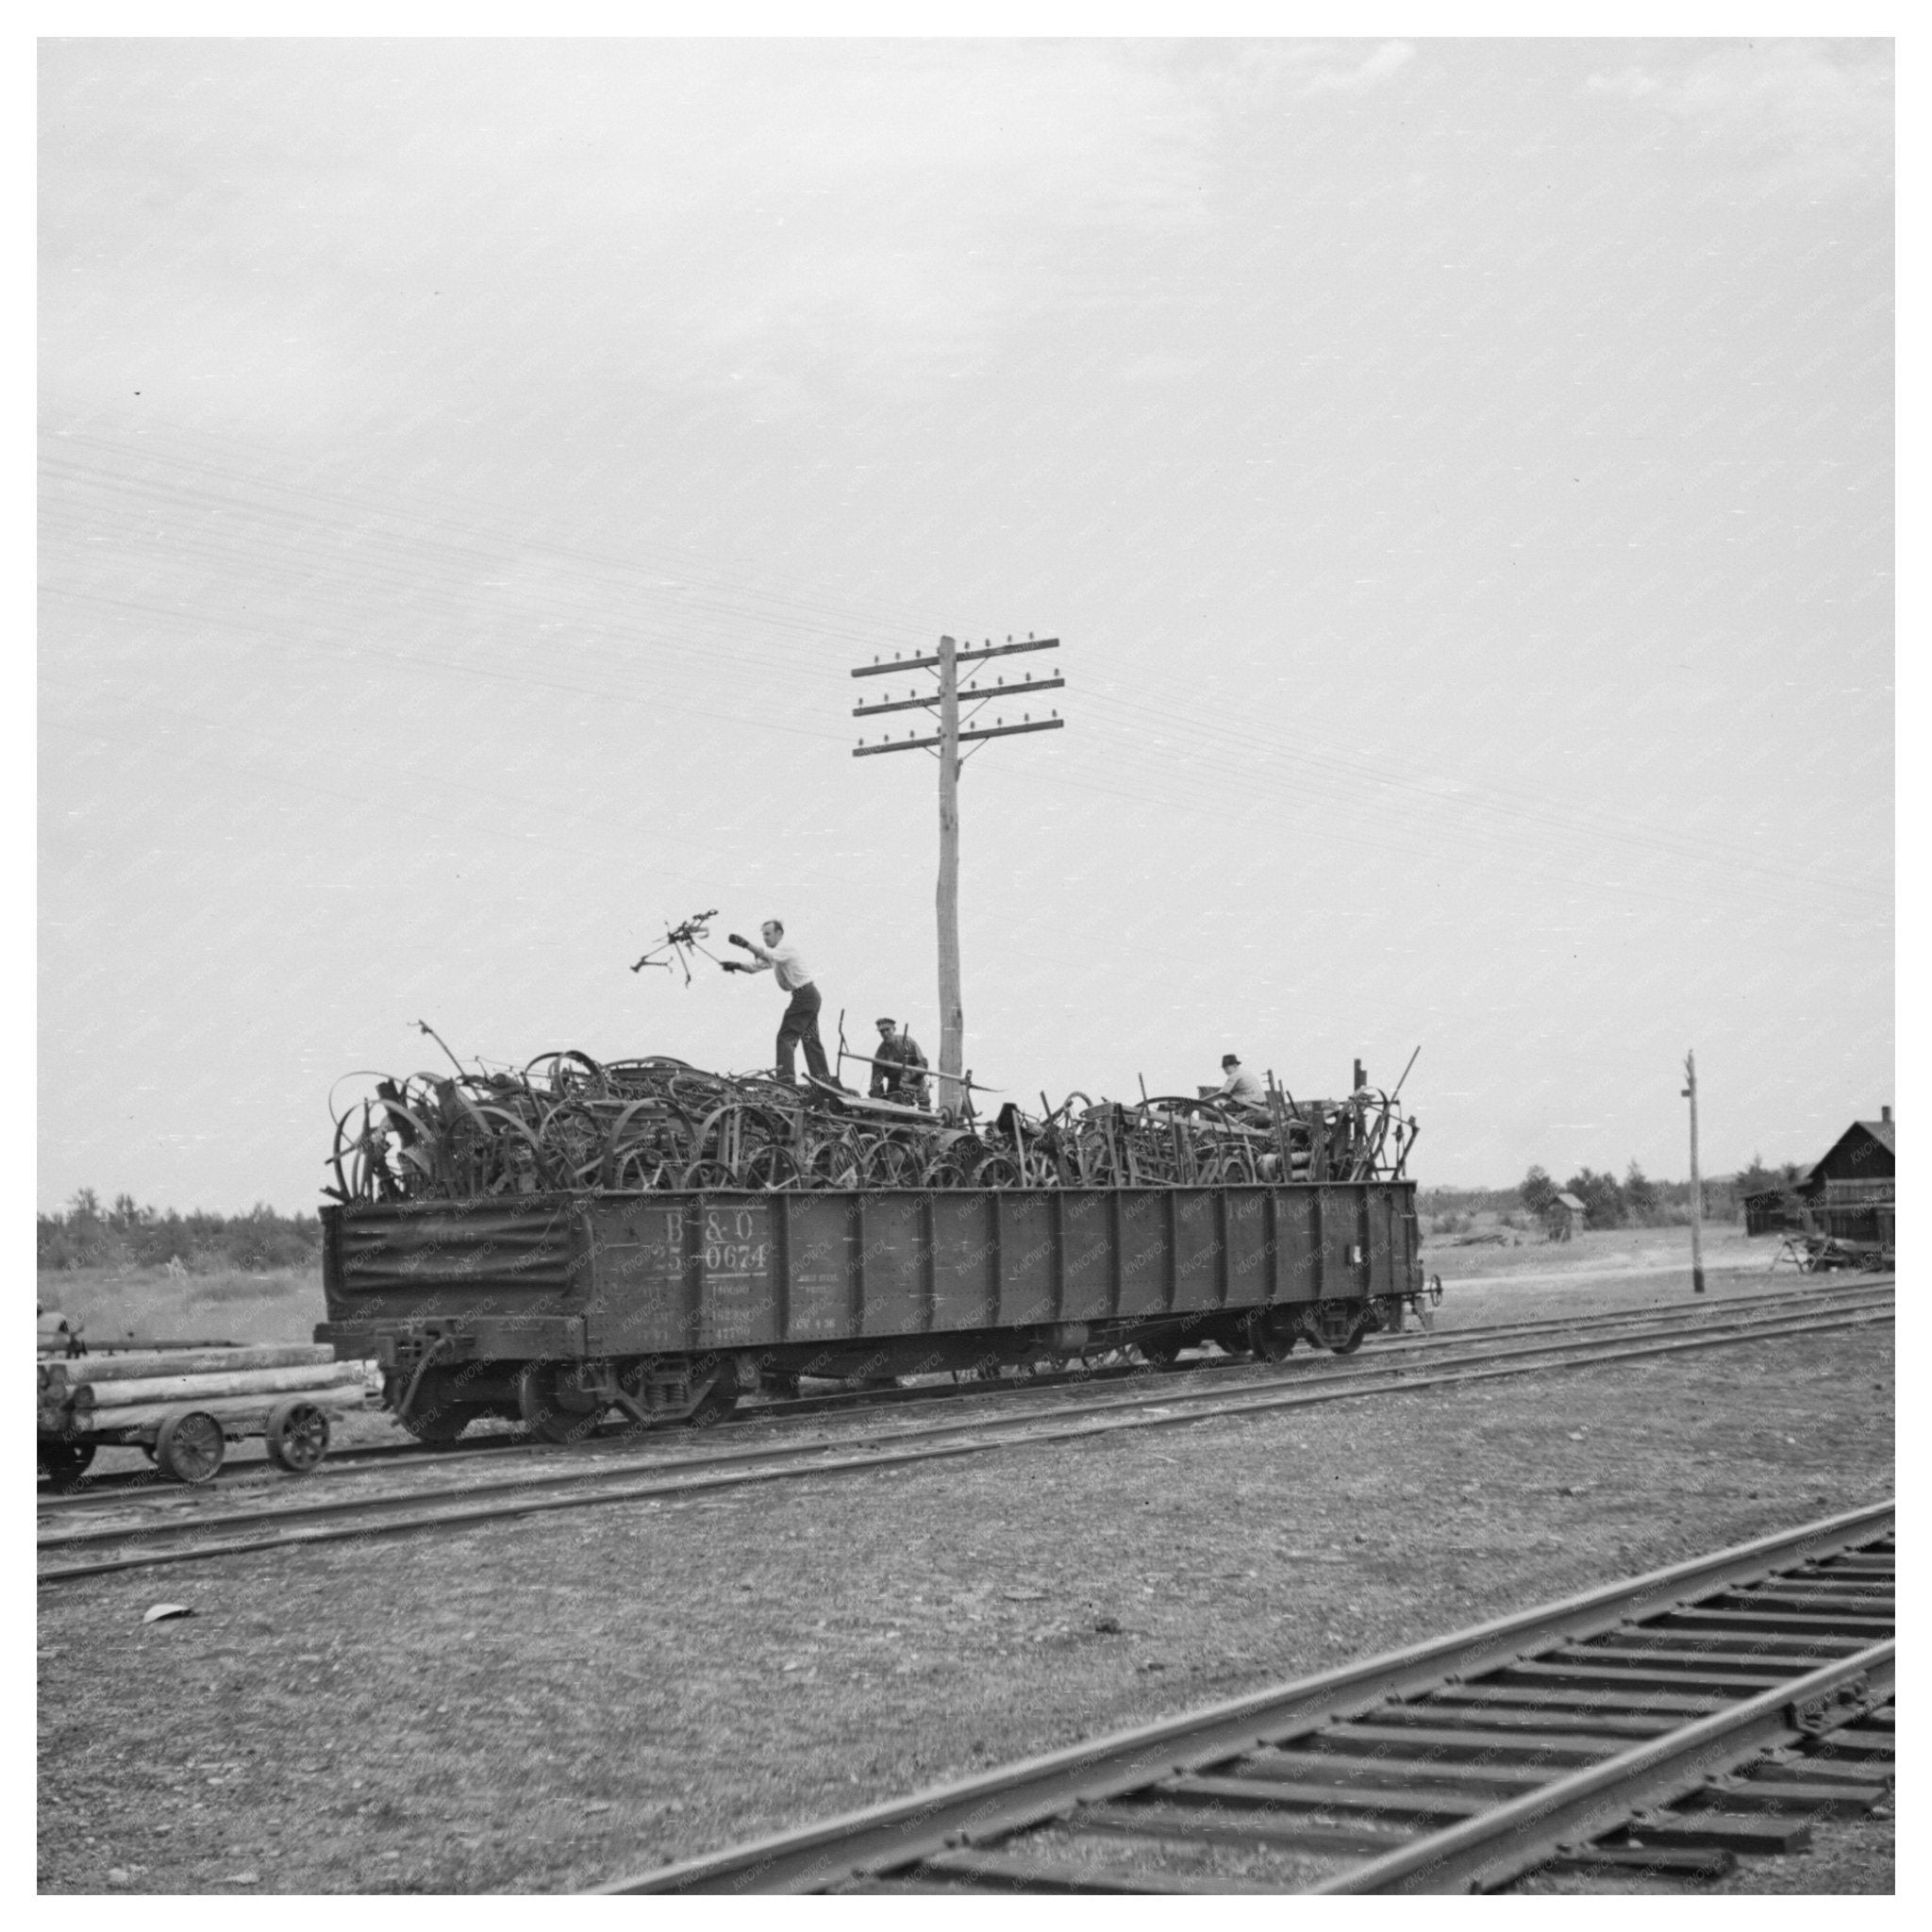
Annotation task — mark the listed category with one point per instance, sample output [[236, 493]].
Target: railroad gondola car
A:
[[557, 1309]]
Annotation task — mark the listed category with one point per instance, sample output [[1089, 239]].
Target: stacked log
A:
[[134, 1391]]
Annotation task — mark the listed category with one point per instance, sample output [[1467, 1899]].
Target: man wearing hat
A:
[[1243, 1091], [903, 1080]]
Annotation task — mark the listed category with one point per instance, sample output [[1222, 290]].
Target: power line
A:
[[412, 566]]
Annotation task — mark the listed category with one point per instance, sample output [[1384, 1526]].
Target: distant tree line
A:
[[1467, 1201], [90, 1236], [1637, 1201]]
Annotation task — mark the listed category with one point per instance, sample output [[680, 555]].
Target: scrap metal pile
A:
[[567, 1124]]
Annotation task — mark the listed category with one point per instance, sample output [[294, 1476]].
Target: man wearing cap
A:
[[1239, 1088], [899, 1081], [800, 1025]]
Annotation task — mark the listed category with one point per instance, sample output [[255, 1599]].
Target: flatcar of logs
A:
[[567, 1123], [183, 1408]]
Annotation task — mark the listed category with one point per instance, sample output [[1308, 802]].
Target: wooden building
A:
[[1563, 1217], [1774, 1210], [1850, 1192]]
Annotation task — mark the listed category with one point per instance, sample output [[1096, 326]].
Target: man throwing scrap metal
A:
[[800, 1025], [904, 1078]]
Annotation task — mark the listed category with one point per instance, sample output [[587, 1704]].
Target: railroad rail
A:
[[1661, 1725], [101, 1490], [71, 1554]]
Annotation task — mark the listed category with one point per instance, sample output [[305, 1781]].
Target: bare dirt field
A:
[[544, 1705], [1660, 1254], [221, 1305]]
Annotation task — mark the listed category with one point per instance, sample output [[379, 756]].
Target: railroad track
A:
[[100, 1490], [601, 1478], [1662, 1726]]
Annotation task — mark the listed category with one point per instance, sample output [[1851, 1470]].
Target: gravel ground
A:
[[546, 1705], [1847, 1854]]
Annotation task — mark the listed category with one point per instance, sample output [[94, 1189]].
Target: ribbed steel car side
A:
[[660, 1273]]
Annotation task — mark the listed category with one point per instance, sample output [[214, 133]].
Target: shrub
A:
[[1640, 1195]]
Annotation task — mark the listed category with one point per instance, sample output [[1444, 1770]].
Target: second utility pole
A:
[[952, 1003], [1696, 1185], [946, 742]]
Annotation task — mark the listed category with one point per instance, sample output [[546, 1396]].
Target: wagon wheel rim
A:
[[346, 1189], [836, 1162], [572, 1139], [191, 1447], [890, 1164], [297, 1436], [558, 1062], [771, 1166], [637, 1169]]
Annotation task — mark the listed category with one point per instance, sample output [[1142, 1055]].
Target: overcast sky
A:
[[1459, 473]]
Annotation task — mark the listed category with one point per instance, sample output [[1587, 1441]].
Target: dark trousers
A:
[[800, 1027]]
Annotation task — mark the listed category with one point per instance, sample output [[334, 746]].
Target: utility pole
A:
[[1696, 1186], [952, 1001], [945, 743]]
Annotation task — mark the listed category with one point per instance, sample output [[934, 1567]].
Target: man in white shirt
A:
[[1244, 1092], [800, 1025]]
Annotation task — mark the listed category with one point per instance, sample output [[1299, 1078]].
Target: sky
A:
[[1458, 472]]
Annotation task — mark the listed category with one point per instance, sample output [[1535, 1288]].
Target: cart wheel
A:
[[296, 1437], [190, 1446], [63, 1464]]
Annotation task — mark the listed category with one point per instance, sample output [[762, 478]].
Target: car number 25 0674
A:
[[732, 1242]]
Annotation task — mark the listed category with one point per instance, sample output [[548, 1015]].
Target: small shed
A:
[[1772, 1211], [1563, 1217]]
